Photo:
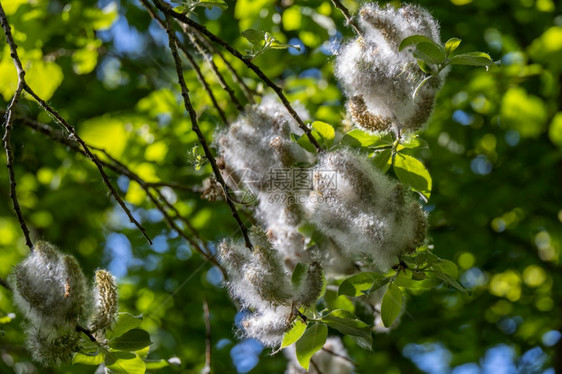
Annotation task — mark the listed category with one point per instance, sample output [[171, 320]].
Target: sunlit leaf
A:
[[311, 342], [391, 304], [413, 173], [132, 340], [294, 333]]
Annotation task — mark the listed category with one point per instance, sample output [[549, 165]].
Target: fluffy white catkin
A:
[[379, 80], [370, 217]]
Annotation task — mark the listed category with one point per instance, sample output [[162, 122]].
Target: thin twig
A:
[[203, 82], [194, 66], [203, 30], [194, 40], [8, 126], [195, 127], [5, 284], [329, 351], [208, 345], [91, 156], [318, 371], [86, 332], [120, 168], [350, 22], [63, 122], [213, 50]]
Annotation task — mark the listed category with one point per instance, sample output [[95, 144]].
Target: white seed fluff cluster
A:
[[370, 217], [52, 293], [329, 360], [379, 80], [258, 280], [255, 147], [364, 217]]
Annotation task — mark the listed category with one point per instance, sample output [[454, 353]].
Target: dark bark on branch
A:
[[338, 4], [203, 30], [8, 127], [22, 85], [195, 127], [149, 188], [5, 284], [193, 65], [208, 345]]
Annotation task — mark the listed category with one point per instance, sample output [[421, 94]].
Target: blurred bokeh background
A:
[[495, 155]]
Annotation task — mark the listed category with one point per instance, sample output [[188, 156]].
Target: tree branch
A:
[[22, 85], [195, 127], [5, 284], [350, 22], [203, 30], [149, 188], [193, 65], [8, 126], [213, 50], [214, 68], [208, 345]]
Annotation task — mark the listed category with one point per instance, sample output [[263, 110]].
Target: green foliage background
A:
[[495, 156]]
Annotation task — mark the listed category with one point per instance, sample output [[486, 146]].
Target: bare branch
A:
[[8, 127], [149, 188], [350, 22], [329, 351], [203, 30], [208, 345], [194, 40], [213, 50], [5, 284], [195, 127], [193, 65], [23, 85]]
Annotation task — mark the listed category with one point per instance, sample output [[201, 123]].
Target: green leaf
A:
[[447, 267], [358, 283], [472, 59], [451, 282], [413, 173], [348, 324], [406, 280], [333, 301], [310, 342], [377, 284], [81, 358], [382, 160], [414, 39], [359, 138], [212, 3], [425, 67], [305, 143], [125, 322], [156, 364], [294, 333], [451, 45], [326, 131], [298, 274], [413, 142], [430, 52], [275, 44], [255, 37], [125, 364], [132, 340], [391, 304]]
